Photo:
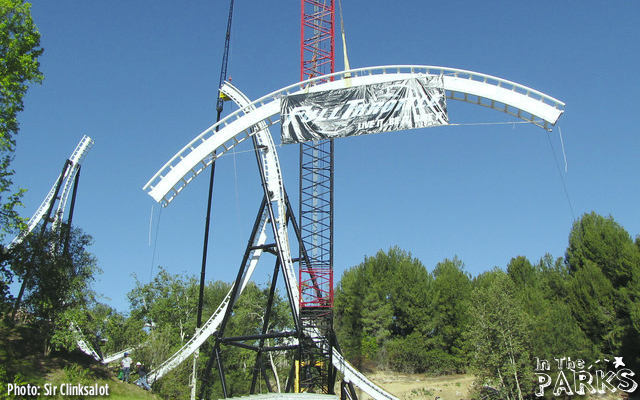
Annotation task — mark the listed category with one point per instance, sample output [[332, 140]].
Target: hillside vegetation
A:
[[549, 323], [503, 331], [22, 363]]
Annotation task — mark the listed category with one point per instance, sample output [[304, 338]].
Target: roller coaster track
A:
[[254, 118], [489, 91], [273, 178], [274, 190], [82, 344], [116, 356], [68, 176]]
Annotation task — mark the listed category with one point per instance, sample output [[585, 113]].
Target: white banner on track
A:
[[382, 107]]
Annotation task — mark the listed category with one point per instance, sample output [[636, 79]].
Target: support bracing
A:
[[259, 363], [72, 207], [265, 216], [47, 219]]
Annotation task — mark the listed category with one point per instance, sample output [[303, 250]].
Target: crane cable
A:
[[347, 67], [219, 107]]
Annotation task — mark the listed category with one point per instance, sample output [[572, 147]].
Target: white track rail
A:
[[275, 188], [273, 175], [489, 91], [76, 158], [352, 375], [116, 356], [82, 344], [70, 173]]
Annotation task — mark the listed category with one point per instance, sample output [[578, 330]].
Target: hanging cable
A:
[[493, 123], [150, 222], [566, 192], [563, 153], [155, 242]]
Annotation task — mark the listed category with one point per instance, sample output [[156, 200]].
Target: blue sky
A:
[[140, 77]]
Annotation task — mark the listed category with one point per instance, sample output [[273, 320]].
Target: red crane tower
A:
[[317, 57]]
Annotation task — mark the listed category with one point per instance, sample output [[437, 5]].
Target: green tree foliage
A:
[[19, 66], [57, 282], [436, 342], [6, 277], [108, 330], [381, 300], [499, 336], [602, 241], [169, 300], [449, 316], [390, 312], [593, 299], [163, 318], [542, 289], [604, 288]]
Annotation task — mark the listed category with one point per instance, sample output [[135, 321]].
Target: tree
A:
[[448, 317], [604, 242], [57, 282], [109, 330], [522, 273], [169, 301], [6, 278], [604, 289], [542, 290], [378, 304], [499, 335], [19, 66], [167, 307], [162, 318]]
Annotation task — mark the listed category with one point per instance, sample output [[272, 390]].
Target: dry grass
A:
[[422, 387], [448, 387]]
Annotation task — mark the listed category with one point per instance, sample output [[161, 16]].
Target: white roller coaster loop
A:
[[499, 94]]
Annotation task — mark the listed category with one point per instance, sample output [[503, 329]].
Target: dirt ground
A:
[[421, 387], [447, 387]]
